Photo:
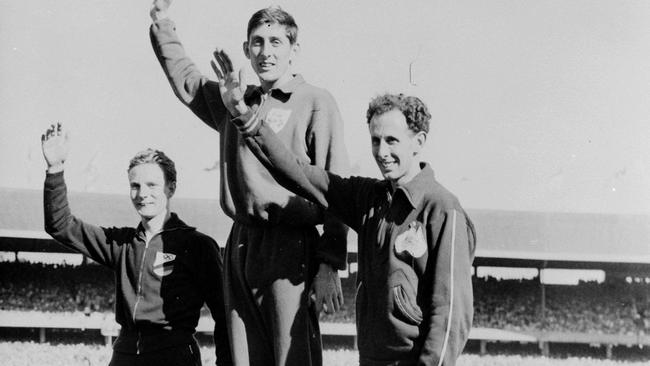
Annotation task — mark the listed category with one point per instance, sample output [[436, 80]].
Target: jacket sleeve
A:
[[327, 149], [92, 241], [342, 197], [190, 86], [452, 298], [212, 283]]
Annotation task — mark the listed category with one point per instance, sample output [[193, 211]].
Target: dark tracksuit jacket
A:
[[416, 247], [160, 286]]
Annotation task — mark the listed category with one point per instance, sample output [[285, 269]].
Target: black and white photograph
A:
[[325, 183]]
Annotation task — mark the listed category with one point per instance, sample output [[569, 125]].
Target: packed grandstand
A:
[[502, 304]]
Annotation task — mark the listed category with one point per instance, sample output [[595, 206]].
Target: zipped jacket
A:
[[160, 285]]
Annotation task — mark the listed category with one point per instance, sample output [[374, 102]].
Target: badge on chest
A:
[[163, 264], [277, 118], [412, 241]]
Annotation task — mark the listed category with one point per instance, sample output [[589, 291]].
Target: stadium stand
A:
[[55, 288], [616, 312], [501, 304]]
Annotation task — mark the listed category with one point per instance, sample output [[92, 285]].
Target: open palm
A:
[[231, 87], [54, 143]]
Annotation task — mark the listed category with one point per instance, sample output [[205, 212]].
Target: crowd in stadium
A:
[[48, 287], [582, 308], [502, 304]]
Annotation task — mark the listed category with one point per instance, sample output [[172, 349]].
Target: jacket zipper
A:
[[139, 292]]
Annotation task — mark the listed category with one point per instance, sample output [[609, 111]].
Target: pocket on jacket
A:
[[405, 306]]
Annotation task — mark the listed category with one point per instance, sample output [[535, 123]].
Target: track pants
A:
[[267, 274]]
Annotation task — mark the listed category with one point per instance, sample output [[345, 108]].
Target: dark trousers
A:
[[182, 355], [267, 272]]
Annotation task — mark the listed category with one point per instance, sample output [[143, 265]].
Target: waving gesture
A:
[[230, 86], [54, 143]]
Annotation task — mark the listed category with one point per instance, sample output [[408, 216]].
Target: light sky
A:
[[537, 105]]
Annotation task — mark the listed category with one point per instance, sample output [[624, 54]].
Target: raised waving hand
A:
[[55, 146], [159, 9], [231, 85]]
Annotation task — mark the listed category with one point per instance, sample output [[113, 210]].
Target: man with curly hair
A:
[[416, 243]]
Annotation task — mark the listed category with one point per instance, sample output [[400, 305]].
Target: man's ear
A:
[[246, 52], [295, 50], [171, 189], [420, 141]]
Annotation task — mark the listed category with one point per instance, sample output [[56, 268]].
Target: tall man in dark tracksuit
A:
[[164, 269], [416, 243], [274, 255]]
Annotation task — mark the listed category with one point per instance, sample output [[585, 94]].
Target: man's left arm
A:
[[452, 298], [327, 150]]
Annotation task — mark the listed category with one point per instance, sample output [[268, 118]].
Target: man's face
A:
[[395, 147], [149, 192], [270, 52]]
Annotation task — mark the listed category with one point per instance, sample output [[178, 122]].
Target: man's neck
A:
[[406, 179], [154, 225], [267, 86]]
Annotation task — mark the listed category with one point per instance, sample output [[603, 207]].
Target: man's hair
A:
[[151, 156], [274, 15], [416, 112]]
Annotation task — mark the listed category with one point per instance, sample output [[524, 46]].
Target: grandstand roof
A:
[[546, 239], [505, 238]]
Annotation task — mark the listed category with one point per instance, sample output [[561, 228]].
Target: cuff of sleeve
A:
[[248, 124], [164, 23], [53, 180], [327, 258], [164, 30], [333, 251]]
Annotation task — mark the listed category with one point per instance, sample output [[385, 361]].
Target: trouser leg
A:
[[296, 335], [249, 342], [270, 320]]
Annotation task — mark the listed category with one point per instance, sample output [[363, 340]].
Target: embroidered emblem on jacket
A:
[[412, 241], [276, 118], [162, 265]]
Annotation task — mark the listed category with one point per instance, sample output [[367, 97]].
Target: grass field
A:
[[46, 354]]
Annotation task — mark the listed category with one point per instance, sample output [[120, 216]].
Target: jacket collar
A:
[[416, 189], [173, 223], [287, 88], [291, 85]]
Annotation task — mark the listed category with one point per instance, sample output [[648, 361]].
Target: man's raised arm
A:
[[190, 86], [89, 240]]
